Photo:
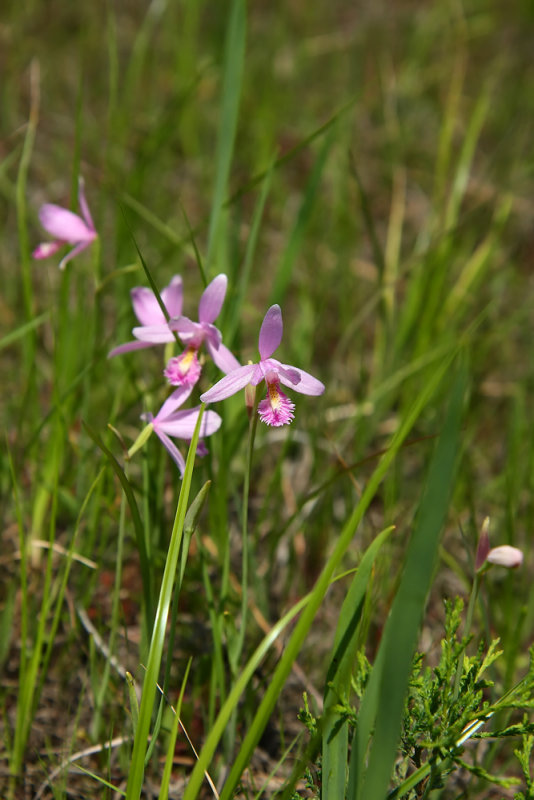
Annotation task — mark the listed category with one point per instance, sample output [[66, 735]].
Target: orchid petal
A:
[[229, 385], [128, 347], [307, 384], [182, 424], [222, 357], [173, 297], [82, 202], [156, 334], [46, 249], [212, 299], [211, 334], [270, 332], [74, 252], [173, 401], [258, 375], [291, 375], [146, 307], [184, 327], [64, 224], [172, 450], [148, 310]]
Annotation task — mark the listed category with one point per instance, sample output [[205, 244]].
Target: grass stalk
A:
[[135, 778]]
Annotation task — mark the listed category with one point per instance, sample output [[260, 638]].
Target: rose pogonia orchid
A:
[[276, 409], [67, 228], [185, 368], [181, 424], [148, 312]]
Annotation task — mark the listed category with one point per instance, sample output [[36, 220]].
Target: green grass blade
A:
[[244, 274], [234, 60], [218, 728], [284, 272], [135, 778], [167, 771], [383, 701], [301, 630], [22, 330], [338, 678], [463, 169]]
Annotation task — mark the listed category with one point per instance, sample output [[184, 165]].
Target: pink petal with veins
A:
[[212, 299]]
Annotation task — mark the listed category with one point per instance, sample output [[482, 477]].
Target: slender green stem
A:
[[237, 645], [244, 531]]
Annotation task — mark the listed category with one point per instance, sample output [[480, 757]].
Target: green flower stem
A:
[[237, 645]]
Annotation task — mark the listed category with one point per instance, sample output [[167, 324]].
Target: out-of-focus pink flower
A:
[[185, 369], [67, 228], [181, 424], [276, 409], [505, 556], [149, 313]]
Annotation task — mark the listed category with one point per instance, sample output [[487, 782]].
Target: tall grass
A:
[[272, 623]]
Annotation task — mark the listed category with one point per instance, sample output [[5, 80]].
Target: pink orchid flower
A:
[[181, 424], [149, 313], [504, 555], [185, 368], [276, 409], [67, 228]]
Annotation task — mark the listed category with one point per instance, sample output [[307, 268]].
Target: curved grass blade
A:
[[338, 679], [383, 701], [137, 767], [234, 61], [22, 330], [314, 601]]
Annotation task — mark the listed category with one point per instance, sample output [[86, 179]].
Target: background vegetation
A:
[[368, 166]]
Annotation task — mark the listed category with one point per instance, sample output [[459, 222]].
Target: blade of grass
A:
[[167, 771], [234, 313], [284, 272], [137, 767], [234, 60], [335, 726], [22, 330], [30, 663], [315, 599], [21, 193], [383, 701]]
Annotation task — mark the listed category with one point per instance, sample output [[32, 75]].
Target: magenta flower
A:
[[181, 424], [185, 368], [67, 228], [276, 409], [149, 313]]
